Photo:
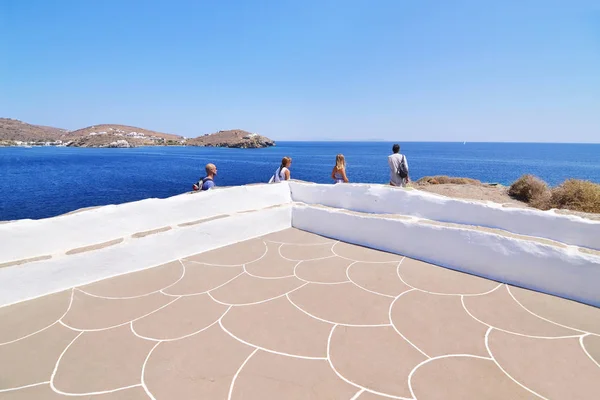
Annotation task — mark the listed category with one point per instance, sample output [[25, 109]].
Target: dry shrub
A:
[[427, 180], [530, 189], [443, 179], [543, 201], [464, 181], [577, 195]]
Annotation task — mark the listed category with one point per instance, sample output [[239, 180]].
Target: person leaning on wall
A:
[[208, 182], [398, 167], [338, 174], [283, 172]]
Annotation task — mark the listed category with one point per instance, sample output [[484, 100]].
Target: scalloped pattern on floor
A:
[[293, 315]]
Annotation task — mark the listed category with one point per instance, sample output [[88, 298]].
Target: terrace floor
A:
[[293, 315]]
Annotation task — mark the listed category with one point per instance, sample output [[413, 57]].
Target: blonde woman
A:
[[338, 174], [283, 172]]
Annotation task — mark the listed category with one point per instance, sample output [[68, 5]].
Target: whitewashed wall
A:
[[19, 283], [387, 200], [24, 239], [548, 269], [562, 272]]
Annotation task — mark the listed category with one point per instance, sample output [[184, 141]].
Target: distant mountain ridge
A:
[[17, 133]]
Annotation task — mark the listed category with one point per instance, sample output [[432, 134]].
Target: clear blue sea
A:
[[46, 181]]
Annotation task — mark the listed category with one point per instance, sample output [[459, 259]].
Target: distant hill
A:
[[236, 138], [128, 131], [106, 134], [15, 130]]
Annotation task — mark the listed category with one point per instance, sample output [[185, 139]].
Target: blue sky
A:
[[508, 70]]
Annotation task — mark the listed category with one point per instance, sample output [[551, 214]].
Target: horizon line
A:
[[423, 141]]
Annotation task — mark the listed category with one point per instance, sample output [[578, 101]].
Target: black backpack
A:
[[402, 170], [200, 183]]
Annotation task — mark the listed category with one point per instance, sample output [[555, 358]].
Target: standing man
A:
[[207, 182], [398, 167]]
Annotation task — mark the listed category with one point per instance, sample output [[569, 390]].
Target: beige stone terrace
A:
[[293, 315]]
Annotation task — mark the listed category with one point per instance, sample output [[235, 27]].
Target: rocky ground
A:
[[496, 193], [483, 192]]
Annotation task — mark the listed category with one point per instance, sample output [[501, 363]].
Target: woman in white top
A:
[[283, 172]]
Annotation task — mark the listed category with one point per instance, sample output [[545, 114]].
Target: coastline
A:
[[130, 147]]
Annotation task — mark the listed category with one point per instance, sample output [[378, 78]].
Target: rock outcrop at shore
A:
[[235, 138]]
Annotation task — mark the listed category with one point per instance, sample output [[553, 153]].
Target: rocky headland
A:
[[235, 138]]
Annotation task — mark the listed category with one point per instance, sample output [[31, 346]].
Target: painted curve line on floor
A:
[[487, 346], [180, 337], [586, 352], [359, 286], [540, 317], [183, 271], [116, 326], [316, 283], [206, 291], [238, 372], [266, 277], [443, 294], [462, 300], [370, 262], [357, 394], [143, 382], [410, 375], [265, 349], [14, 389], [52, 377], [257, 302], [332, 322], [348, 380], [309, 259], [226, 265], [43, 329], [398, 330]]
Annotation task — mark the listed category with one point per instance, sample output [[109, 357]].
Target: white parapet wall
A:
[[96, 244], [381, 199], [25, 239], [550, 269], [39, 278]]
